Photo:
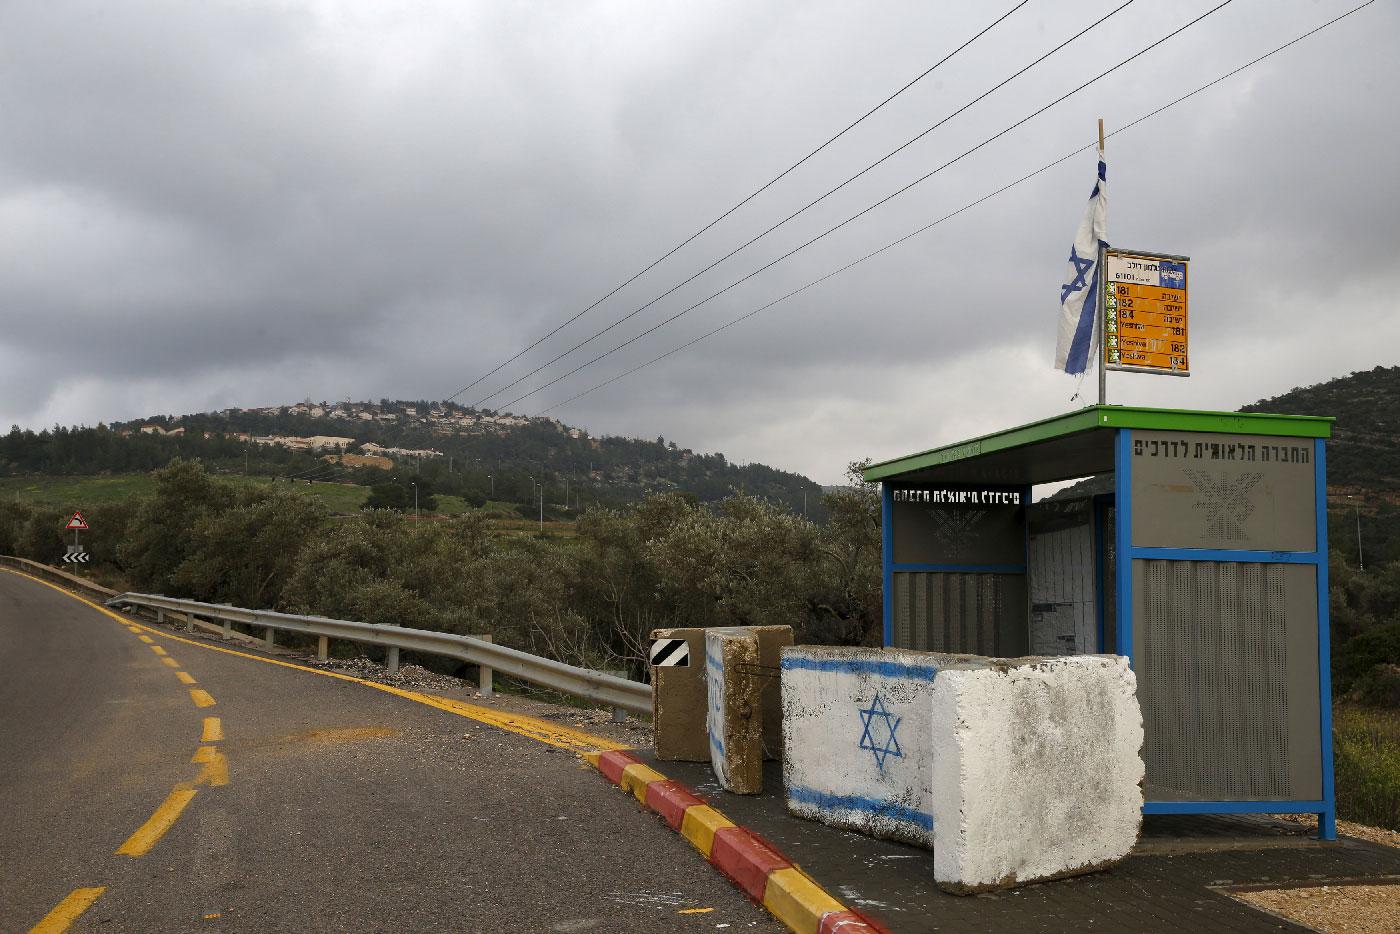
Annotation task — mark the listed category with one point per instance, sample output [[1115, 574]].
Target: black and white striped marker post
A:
[[670, 653]]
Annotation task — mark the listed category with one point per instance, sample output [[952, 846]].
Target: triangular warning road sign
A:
[[77, 522]]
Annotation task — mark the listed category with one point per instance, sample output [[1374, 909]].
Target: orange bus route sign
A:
[[1145, 312]]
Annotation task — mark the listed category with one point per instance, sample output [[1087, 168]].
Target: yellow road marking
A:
[[534, 728], [694, 911], [201, 698], [149, 833], [67, 911], [158, 650], [185, 677], [213, 731], [215, 771], [145, 638], [170, 661], [136, 629]]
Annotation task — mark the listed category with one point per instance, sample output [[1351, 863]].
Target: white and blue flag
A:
[[1079, 295]]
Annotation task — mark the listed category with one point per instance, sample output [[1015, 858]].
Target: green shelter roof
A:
[[1075, 444]]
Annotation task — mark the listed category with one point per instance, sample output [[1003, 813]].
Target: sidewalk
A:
[[1175, 880]]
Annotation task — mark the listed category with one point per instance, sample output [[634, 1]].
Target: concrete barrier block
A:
[[857, 729], [734, 718], [678, 701], [1037, 769], [771, 642]]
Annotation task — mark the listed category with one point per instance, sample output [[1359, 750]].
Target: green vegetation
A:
[[1367, 747], [591, 598]]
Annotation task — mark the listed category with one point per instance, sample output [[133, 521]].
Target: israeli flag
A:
[[1079, 296]]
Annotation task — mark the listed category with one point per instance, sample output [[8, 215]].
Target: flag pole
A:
[[1099, 322]]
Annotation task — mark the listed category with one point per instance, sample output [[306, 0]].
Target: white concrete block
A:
[[1037, 769], [857, 738]]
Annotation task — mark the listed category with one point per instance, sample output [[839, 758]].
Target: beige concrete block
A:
[[678, 702], [734, 710], [771, 640]]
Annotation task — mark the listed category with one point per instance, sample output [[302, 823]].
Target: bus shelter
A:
[[1197, 548]]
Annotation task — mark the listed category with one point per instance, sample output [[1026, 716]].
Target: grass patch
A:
[[69, 493], [1366, 745]]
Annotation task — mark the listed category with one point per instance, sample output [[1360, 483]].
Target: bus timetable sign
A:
[[1144, 312]]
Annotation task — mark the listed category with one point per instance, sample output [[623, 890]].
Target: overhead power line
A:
[[811, 204], [754, 194], [864, 211], [946, 217]]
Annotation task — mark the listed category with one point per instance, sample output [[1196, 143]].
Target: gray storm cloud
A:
[[246, 204]]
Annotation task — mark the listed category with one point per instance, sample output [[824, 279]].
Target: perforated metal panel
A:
[[1061, 574], [1226, 661], [980, 614]]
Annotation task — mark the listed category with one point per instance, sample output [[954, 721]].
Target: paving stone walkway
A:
[[1176, 880]]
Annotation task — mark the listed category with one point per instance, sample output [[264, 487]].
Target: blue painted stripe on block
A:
[[890, 809], [861, 666]]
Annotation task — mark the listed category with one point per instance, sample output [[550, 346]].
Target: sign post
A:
[[75, 551]]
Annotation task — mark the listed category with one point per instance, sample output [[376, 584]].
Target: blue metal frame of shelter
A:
[[1126, 552]]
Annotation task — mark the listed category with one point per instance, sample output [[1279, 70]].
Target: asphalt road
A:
[[298, 802]]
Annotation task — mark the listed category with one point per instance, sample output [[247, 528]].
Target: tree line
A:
[[589, 600]]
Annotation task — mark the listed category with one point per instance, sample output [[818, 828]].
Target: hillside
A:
[[445, 448], [1364, 453]]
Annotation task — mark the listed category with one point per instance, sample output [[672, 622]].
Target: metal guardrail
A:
[[60, 577], [81, 584], [632, 696], [619, 693]]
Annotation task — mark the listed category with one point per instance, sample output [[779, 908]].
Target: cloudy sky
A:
[[252, 203]]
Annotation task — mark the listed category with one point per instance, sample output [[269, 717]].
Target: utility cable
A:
[[828, 193], [885, 200], [972, 204], [756, 192]]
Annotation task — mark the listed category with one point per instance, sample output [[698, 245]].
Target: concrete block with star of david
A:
[[856, 731]]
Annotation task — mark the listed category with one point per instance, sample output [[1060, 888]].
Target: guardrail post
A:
[[228, 629], [322, 645], [189, 622], [160, 616], [485, 676], [270, 639], [618, 714], [392, 661]]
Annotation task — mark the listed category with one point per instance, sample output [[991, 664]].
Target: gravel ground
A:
[[1334, 909], [1337, 909], [1347, 828], [632, 731]]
